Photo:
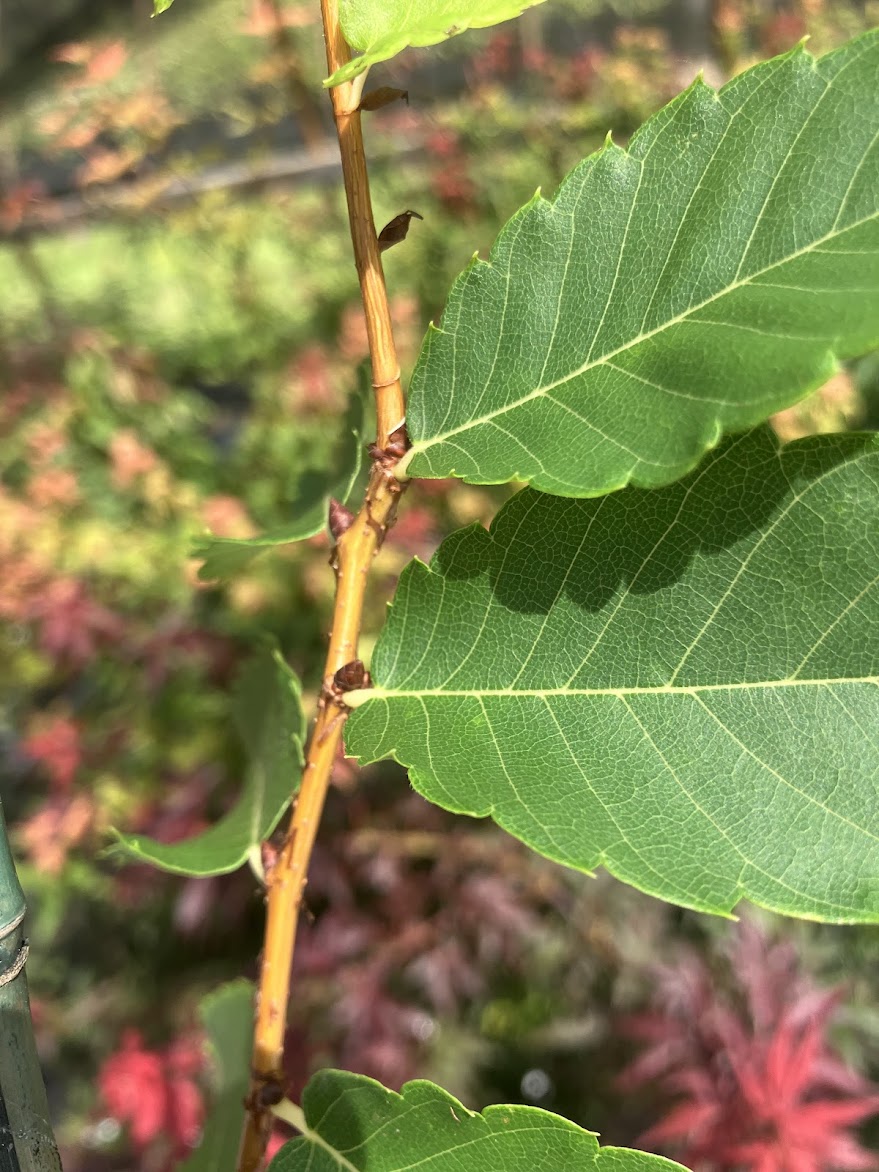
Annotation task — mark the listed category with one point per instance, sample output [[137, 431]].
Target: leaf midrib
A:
[[538, 392], [355, 699], [621, 694]]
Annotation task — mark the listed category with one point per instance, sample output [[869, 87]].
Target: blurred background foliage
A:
[[179, 334]]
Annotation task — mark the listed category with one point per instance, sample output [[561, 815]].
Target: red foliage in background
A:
[[759, 1086], [451, 180], [155, 1094], [17, 202], [56, 745], [74, 627]]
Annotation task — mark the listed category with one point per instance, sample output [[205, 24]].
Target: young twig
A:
[[355, 549]]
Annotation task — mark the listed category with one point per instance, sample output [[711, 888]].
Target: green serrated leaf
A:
[[351, 1122], [225, 556], [681, 685], [267, 710], [227, 1016], [711, 274], [160, 6], [381, 29]]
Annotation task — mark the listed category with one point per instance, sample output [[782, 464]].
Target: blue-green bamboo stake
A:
[[27, 1143]]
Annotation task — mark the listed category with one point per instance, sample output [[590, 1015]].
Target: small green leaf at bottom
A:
[[227, 1016], [354, 1123]]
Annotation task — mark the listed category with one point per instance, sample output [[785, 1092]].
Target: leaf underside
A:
[[267, 710], [227, 1016], [681, 685], [688, 287], [381, 29], [226, 556], [351, 1122]]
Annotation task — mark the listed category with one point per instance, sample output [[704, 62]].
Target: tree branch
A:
[[390, 403], [354, 553]]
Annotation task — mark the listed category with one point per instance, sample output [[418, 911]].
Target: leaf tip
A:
[[699, 86], [800, 50]]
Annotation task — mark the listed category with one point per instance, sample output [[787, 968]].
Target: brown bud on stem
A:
[[271, 1094], [350, 676], [383, 96], [396, 230], [398, 446], [340, 518], [398, 442]]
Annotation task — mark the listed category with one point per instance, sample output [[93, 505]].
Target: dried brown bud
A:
[[396, 230], [398, 443], [340, 518], [383, 96], [270, 1094], [398, 446], [350, 676]]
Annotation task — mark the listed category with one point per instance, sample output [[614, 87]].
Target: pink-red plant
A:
[[759, 1087], [155, 1094], [56, 744]]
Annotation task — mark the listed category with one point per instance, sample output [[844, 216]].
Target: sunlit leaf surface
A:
[[681, 685], [380, 29], [689, 286]]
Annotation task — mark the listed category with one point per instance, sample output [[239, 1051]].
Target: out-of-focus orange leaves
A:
[[226, 516], [105, 62], [71, 53], [129, 458], [18, 203], [78, 137], [45, 442], [61, 824], [53, 487], [100, 61], [104, 166]]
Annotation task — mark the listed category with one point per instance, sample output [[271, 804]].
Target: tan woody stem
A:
[[355, 551]]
